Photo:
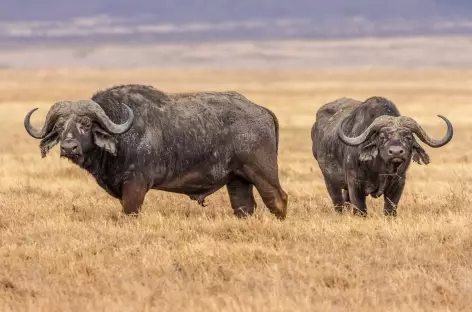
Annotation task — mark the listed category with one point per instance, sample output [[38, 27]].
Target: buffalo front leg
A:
[[241, 197], [392, 197], [133, 196], [346, 198], [336, 195], [357, 197]]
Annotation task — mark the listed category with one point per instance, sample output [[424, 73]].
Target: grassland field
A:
[[66, 246]]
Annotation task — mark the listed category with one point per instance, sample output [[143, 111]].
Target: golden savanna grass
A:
[[65, 245]]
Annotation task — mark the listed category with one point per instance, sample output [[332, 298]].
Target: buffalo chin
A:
[[397, 160], [396, 164], [76, 159]]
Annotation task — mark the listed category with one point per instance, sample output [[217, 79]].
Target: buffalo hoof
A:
[[131, 214], [201, 201], [241, 213], [359, 213], [339, 209]]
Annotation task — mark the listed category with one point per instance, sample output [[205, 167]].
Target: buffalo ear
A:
[[369, 151], [419, 155], [104, 140], [48, 142]]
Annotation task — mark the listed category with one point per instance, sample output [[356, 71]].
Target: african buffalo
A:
[[133, 138], [366, 148]]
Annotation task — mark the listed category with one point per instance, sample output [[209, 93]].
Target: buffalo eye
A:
[[58, 128], [84, 123], [83, 127]]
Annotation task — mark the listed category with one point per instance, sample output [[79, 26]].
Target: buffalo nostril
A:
[[396, 151], [69, 147]]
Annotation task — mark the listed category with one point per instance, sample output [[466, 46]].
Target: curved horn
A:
[[88, 107], [106, 122], [35, 133], [421, 134], [379, 122], [51, 116]]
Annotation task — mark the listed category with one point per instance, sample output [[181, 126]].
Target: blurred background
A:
[[226, 33]]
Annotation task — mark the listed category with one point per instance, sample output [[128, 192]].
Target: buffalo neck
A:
[[95, 161], [99, 163]]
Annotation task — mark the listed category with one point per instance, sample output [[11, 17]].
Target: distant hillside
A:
[[222, 10], [196, 20]]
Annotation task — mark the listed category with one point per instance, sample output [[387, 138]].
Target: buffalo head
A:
[[391, 137], [78, 127]]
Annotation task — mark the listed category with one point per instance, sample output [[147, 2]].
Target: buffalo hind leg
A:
[[241, 197], [133, 197], [267, 183]]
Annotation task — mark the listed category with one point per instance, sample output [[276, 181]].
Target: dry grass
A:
[[65, 246]]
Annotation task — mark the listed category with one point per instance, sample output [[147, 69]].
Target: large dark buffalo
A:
[[134, 138], [366, 148]]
